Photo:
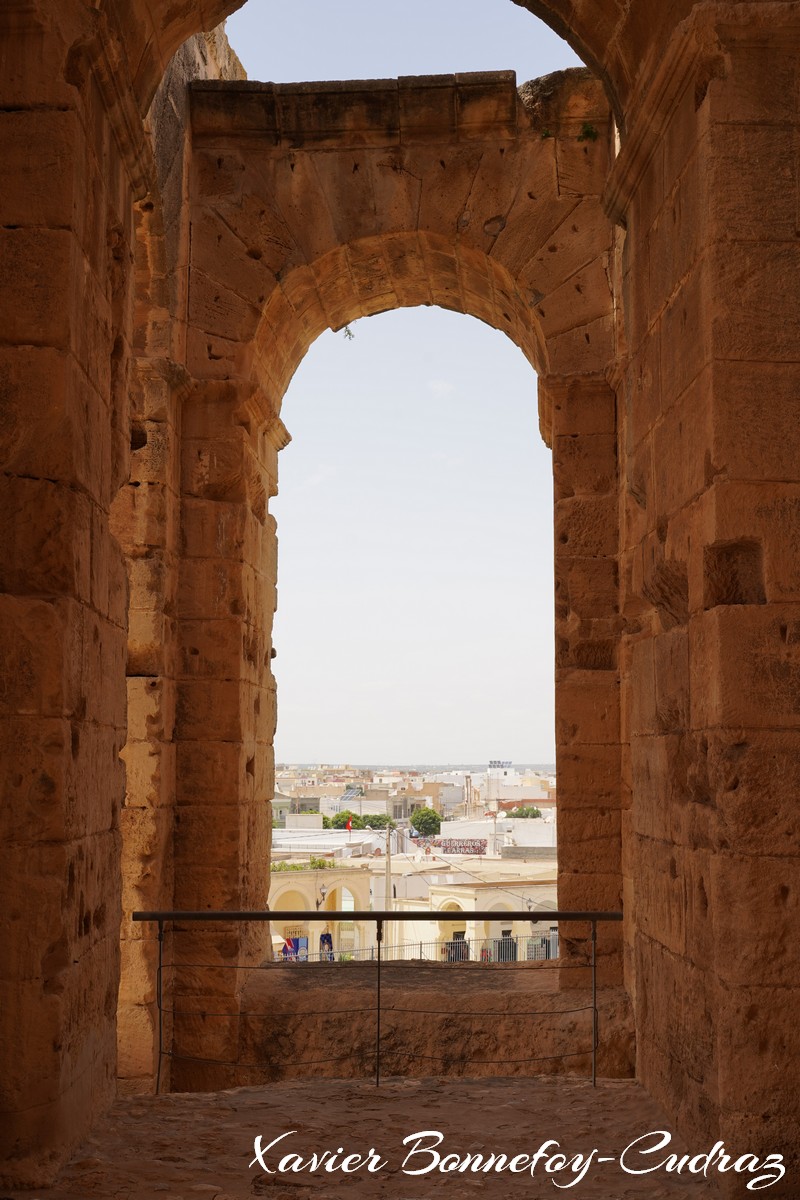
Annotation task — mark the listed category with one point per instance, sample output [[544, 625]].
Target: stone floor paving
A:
[[200, 1146]]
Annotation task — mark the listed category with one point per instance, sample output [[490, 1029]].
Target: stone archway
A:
[[311, 208], [314, 206]]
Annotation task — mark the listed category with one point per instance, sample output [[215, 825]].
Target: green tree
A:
[[426, 821], [379, 821], [341, 819], [527, 810]]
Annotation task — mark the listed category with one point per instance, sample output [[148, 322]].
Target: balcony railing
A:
[[537, 951], [537, 947]]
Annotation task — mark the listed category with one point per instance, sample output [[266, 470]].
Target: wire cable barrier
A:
[[378, 1011]]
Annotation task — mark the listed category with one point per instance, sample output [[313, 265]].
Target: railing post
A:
[[379, 938], [159, 1001], [594, 1003]]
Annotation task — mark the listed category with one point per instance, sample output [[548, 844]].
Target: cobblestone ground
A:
[[190, 1146]]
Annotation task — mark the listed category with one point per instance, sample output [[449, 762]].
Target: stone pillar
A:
[[582, 422], [225, 718], [66, 253], [146, 521], [707, 186]]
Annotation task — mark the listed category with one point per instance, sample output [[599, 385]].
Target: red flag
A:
[[349, 825]]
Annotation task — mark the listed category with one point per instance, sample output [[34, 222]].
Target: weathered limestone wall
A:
[[324, 1014], [582, 425], [226, 712], [66, 249], [707, 185], [147, 522]]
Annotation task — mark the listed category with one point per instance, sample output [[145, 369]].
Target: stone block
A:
[[212, 888], [211, 708], [247, 267], [758, 88], [103, 656], [55, 426], [745, 445], [147, 837], [755, 777], [152, 640], [671, 671], [643, 395], [676, 1011], [586, 526], [569, 256], [151, 709], [672, 800], [40, 645], [588, 775], [758, 1034], [46, 531], [682, 448], [580, 891], [758, 309], [33, 757], [152, 573], [209, 836], [220, 648], [755, 902], [575, 304], [587, 708], [581, 406], [752, 170], [149, 772], [694, 1101], [674, 897], [584, 465], [210, 772], [137, 1044], [587, 347], [31, 1021], [218, 589], [144, 515], [39, 273], [745, 667], [587, 587], [589, 836], [214, 468], [687, 345], [219, 312]]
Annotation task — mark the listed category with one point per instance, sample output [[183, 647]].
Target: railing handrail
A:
[[434, 914], [381, 919]]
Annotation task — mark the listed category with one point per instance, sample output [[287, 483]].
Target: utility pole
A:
[[388, 868], [388, 873]]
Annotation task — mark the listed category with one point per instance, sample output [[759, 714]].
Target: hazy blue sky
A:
[[415, 619]]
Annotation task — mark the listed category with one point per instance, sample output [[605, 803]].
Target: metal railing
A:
[[381, 920], [535, 947]]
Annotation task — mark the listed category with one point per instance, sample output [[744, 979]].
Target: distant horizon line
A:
[[388, 764]]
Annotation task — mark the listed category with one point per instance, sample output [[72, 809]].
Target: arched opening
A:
[[415, 588], [273, 43]]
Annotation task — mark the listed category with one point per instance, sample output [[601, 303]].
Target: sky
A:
[[415, 579]]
